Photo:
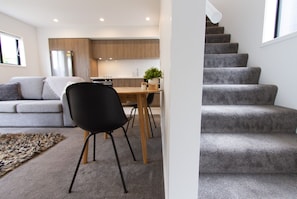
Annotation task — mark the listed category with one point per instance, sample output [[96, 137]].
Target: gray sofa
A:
[[35, 102]]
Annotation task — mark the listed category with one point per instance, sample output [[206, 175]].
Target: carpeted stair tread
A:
[[225, 60], [209, 23], [248, 119], [248, 153], [231, 75], [214, 30], [220, 48], [217, 38], [235, 94], [247, 186]]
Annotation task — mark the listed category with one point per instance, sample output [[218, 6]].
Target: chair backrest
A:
[[95, 107], [150, 98]]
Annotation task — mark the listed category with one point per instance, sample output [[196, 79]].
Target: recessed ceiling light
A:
[[101, 19], [147, 19], [56, 20]]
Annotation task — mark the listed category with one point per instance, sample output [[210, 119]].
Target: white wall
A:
[[126, 68], [29, 36], [182, 29], [244, 20]]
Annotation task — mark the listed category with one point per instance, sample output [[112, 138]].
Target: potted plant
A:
[[152, 75]]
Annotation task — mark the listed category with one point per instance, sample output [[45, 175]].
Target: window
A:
[[11, 50], [280, 18], [286, 18]]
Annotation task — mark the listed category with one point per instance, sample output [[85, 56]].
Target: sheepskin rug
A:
[[16, 149]]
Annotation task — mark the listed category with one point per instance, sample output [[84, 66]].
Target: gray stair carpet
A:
[[248, 119], [216, 38], [216, 48], [248, 144], [225, 60], [231, 75], [209, 24], [247, 186], [234, 94], [214, 30], [248, 153]]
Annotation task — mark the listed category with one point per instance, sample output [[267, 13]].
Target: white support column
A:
[[182, 36]]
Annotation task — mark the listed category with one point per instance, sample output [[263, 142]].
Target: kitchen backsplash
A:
[[126, 68]]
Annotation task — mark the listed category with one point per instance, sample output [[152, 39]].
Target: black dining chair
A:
[[96, 108], [149, 100]]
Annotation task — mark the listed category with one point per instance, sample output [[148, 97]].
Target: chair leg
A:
[[133, 117], [94, 148], [77, 166], [131, 113], [152, 116], [125, 132], [151, 125], [127, 127], [117, 158], [128, 123]]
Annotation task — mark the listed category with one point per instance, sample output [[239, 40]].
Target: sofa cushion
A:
[[10, 91], [58, 84], [48, 92], [8, 106], [31, 87], [39, 106]]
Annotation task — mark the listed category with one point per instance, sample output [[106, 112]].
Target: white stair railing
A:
[[212, 13]]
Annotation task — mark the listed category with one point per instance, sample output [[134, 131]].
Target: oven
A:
[[104, 81]]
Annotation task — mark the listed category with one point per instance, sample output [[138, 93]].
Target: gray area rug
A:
[[16, 149]]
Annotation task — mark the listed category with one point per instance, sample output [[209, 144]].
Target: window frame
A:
[[19, 51], [274, 24], [277, 17]]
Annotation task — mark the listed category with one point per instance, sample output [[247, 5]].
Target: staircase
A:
[[247, 142]]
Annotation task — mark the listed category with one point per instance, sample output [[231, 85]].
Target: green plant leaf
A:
[[153, 72]]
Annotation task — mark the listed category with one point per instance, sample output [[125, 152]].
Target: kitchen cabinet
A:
[[125, 49], [127, 82], [83, 64]]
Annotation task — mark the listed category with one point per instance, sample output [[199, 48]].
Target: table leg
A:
[[142, 127], [147, 129], [85, 155]]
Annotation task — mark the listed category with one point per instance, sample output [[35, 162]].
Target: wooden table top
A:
[[133, 90]]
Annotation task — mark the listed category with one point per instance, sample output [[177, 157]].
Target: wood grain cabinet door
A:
[[125, 49]]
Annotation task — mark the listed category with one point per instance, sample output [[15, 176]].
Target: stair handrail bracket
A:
[[212, 13]]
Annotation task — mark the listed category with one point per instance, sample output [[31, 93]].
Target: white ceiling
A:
[[40, 13]]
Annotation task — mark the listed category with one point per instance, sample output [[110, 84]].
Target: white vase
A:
[[153, 81], [153, 84]]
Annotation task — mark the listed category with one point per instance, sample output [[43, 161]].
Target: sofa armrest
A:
[[66, 112]]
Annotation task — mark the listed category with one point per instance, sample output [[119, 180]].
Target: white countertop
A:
[[100, 77]]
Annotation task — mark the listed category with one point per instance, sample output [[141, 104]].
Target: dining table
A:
[[138, 95]]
